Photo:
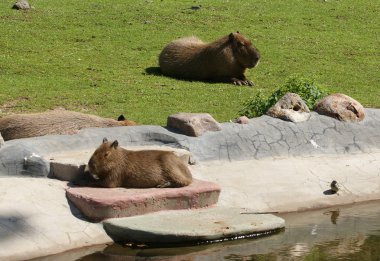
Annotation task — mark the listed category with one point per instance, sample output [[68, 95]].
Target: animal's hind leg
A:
[[179, 175]]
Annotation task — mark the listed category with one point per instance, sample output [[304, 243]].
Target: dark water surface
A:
[[339, 233]]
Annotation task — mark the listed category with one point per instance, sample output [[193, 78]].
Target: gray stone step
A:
[[191, 226]]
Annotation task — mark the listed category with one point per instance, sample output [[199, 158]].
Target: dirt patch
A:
[[7, 107]]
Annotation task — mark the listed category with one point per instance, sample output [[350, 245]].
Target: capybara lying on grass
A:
[[57, 121], [224, 60], [112, 166]]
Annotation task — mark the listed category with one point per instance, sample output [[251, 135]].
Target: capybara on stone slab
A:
[[224, 60], [112, 166], [53, 122]]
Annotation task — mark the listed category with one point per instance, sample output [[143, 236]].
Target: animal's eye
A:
[[106, 154], [241, 43]]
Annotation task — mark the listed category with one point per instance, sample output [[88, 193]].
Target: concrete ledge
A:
[[36, 220], [294, 184], [190, 226], [101, 203]]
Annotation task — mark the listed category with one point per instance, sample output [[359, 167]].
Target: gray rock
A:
[[290, 108], [22, 5], [191, 226], [341, 107], [193, 124]]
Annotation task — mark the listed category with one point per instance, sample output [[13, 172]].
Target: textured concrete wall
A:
[[263, 137]]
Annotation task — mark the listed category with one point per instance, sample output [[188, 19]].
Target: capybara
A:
[[52, 122], [112, 166], [224, 60]]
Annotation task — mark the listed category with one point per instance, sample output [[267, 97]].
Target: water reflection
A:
[[344, 233]]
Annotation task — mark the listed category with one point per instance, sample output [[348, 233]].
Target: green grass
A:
[[92, 56]]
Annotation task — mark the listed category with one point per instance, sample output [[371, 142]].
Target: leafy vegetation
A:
[[306, 88], [100, 56]]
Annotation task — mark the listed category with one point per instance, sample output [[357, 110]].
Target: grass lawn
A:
[[98, 56]]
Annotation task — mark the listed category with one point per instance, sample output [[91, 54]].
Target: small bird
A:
[[334, 186]]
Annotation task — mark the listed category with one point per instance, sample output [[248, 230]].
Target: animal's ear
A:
[[231, 37], [121, 118], [238, 32], [105, 140], [115, 144]]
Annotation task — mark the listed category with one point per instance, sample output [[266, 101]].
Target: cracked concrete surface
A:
[[263, 137], [266, 165]]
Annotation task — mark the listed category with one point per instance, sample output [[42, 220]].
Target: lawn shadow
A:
[[154, 70]]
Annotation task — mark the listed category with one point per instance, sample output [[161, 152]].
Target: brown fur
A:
[[113, 166], [51, 123], [224, 60]]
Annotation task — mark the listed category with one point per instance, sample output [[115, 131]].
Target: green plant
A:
[[306, 88]]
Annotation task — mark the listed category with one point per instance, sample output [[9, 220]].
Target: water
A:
[[339, 233]]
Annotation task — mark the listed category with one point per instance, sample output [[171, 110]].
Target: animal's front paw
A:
[[164, 185], [241, 82]]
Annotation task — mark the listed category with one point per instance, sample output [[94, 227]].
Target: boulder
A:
[[22, 5], [242, 120], [290, 108], [341, 107], [193, 124]]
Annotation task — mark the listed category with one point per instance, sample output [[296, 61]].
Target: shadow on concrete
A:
[[76, 212], [329, 192], [80, 181], [12, 225]]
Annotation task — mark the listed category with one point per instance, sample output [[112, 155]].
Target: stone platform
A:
[[98, 204], [191, 226]]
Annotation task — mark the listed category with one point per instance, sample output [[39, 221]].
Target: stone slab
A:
[[191, 226], [101, 203], [68, 165]]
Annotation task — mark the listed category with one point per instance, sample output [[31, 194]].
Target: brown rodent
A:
[[53, 122], [112, 166], [224, 60]]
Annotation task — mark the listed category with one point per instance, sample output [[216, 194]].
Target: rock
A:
[[290, 108], [22, 5], [101, 203], [2, 142], [191, 226], [193, 124], [341, 107], [242, 120]]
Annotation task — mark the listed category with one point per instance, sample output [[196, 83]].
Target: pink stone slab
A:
[[101, 203]]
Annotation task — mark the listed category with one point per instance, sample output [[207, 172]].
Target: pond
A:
[[338, 233]]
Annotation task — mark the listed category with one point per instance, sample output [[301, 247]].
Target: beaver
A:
[[224, 60], [58, 121], [112, 166]]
